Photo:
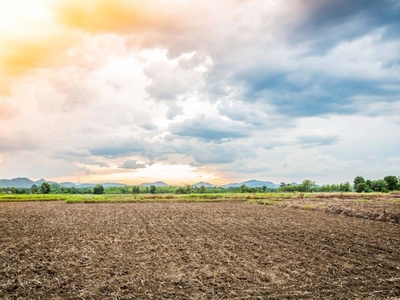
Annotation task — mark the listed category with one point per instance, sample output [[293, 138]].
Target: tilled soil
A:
[[225, 250]]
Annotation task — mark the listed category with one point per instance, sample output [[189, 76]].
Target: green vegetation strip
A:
[[25, 198], [266, 198], [259, 198]]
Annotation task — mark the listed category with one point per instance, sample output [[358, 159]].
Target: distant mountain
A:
[[157, 183], [27, 183], [17, 183], [205, 184], [68, 184], [110, 184], [90, 185], [23, 182], [85, 185], [40, 181], [252, 184]]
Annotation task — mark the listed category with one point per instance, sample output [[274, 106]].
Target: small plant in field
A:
[[310, 206], [270, 202], [301, 195]]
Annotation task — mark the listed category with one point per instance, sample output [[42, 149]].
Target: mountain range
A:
[[252, 184], [205, 184], [157, 183], [23, 182]]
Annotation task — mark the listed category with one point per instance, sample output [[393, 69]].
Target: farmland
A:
[[284, 249]]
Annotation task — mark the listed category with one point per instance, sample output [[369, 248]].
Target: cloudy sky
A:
[[186, 90]]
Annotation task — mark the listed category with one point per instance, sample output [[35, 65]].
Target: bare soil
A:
[[235, 250], [383, 207]]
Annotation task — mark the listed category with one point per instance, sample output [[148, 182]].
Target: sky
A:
[[185, 91]]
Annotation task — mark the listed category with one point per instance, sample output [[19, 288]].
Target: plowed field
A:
[[225, 250]]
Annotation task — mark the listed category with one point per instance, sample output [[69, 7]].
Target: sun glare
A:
[[19, 17]]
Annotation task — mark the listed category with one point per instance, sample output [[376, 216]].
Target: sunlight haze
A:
[[188, 91]]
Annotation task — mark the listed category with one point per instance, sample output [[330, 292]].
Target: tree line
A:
[[388, 183]]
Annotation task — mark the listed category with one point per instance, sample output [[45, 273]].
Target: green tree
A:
[[153, 189], [392, 182], [361, 187], [45, 188], [181, 191], [379, 185], [308, 185], [243, 188], [98, 189], [135, 190], [357, 180], [188, 189], [369, 183], [34, 189], [202, 189], [346, 187]]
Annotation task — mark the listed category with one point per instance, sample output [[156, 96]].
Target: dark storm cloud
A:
[[114, 147], [331, 22], [318, 97], [338, 51], [208, 128], [327, 76], [308, 141]]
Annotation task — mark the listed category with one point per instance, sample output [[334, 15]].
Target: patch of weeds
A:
[[362, 200], [310, 206], [253, 201], [393, 200], [270, 202]]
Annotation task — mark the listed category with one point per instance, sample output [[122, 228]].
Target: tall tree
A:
[[45, 188], [357, 180], [346, 187], [202, 189], [379, 185], [153, 189], [98, 189], [308, 185], [34, 189], [392, 182], [369, 183]]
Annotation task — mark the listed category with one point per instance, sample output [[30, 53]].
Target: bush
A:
[[361, 187], [45, 188], [98, 189]]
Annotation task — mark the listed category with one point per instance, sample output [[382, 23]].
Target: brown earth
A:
[[225, 250], [381, 207]]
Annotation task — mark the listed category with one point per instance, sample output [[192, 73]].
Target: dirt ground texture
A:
[[384, 207], [230, 250]]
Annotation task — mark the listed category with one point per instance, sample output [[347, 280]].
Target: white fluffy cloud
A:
[[251, 88], [133, 164]]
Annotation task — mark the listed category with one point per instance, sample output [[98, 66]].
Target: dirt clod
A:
[[226, 250]]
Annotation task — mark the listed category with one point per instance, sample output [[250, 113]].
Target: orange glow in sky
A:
[[187, 90]]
